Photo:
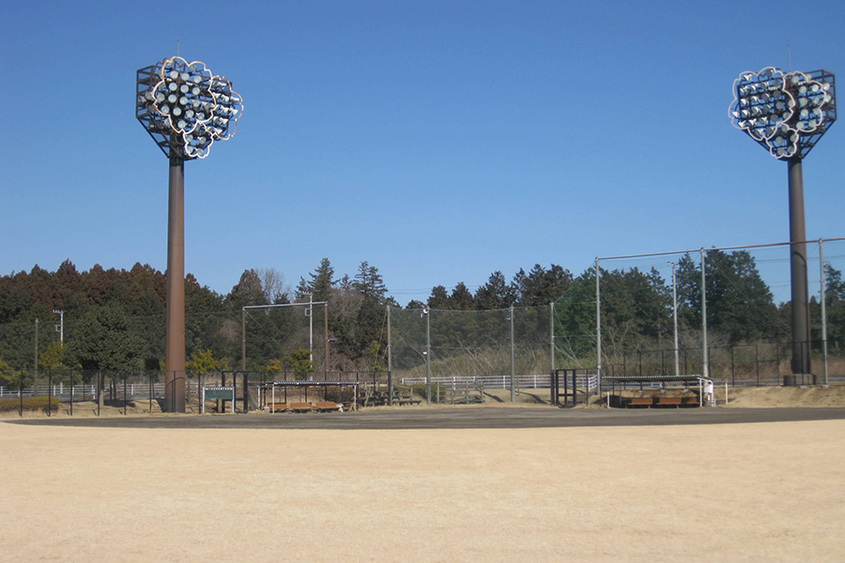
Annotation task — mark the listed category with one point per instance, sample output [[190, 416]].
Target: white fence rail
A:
[[531, 381], [86, 391]]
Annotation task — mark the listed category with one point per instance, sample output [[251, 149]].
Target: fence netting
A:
[[745, 314], [486, 344]]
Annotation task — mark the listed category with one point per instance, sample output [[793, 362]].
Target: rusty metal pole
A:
[[798, 262], [35, 364], [174, 377], [243, 339]]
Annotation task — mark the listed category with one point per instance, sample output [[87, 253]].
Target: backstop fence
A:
[[720, 312]]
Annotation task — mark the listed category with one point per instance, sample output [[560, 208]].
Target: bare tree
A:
[[274, 286]]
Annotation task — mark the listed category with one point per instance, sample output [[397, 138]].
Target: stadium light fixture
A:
[[185, 109], [787, 113]]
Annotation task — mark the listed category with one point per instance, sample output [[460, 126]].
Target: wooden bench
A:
[[278, 407], [301, 407], [329, 406], [691, 402], [669, 402], [641, 402], [407, 399]]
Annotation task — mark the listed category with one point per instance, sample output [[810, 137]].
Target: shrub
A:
[[30, 404]]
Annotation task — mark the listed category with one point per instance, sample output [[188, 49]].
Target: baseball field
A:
[[744, 491]]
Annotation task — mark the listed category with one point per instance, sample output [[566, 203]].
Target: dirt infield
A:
[[770, 491]]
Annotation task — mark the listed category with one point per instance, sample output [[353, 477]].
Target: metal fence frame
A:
[[706, 350]]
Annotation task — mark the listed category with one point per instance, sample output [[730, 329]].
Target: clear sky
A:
[[439, 141]]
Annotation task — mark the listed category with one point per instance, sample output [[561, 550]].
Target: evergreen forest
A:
[[115, 319]]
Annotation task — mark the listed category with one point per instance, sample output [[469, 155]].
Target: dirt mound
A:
[[87, 409], [768, 397]]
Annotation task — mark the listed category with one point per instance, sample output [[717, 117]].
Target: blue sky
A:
[[439, 141]]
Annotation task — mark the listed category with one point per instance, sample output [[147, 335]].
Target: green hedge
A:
[[29, 404]]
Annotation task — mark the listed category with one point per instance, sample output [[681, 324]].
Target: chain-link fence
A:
[[448, 350], [447, 343], [83, 391], [103, 392], [731, 319]]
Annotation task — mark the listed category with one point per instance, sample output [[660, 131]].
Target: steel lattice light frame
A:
[[185, 108], [785, 112]]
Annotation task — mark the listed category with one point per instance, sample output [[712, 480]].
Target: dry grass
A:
[[767, 397], [725, 492], [743, 397]]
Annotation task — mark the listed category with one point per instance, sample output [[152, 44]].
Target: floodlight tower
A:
[[184, 108], [787, 113]]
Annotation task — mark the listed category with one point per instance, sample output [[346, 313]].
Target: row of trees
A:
[[114, 319], [637, 305], [540, 286]]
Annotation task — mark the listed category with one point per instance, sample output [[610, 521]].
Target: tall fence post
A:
[[513, 363], [552, 335], [427, 313], [705, 362], [598, 326], [823, 312], [389, 361]]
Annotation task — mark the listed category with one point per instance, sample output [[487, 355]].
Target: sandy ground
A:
[[765, 397], [724, 492]]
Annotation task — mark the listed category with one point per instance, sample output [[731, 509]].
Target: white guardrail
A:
[[540, 381], [82, 392]]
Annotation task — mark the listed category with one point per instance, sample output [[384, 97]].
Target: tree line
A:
[[114, 319]]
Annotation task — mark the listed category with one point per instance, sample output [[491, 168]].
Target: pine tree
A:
[[320, 284], [495, 294], [369, 283], [247, 291]]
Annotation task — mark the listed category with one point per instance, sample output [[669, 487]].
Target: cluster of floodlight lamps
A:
[[185, 108], [785, 112]]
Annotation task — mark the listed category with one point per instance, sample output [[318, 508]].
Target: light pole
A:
[[184, 108], [60, 328], [426, 312], [787, 113], [675, 317], [308, 313]]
